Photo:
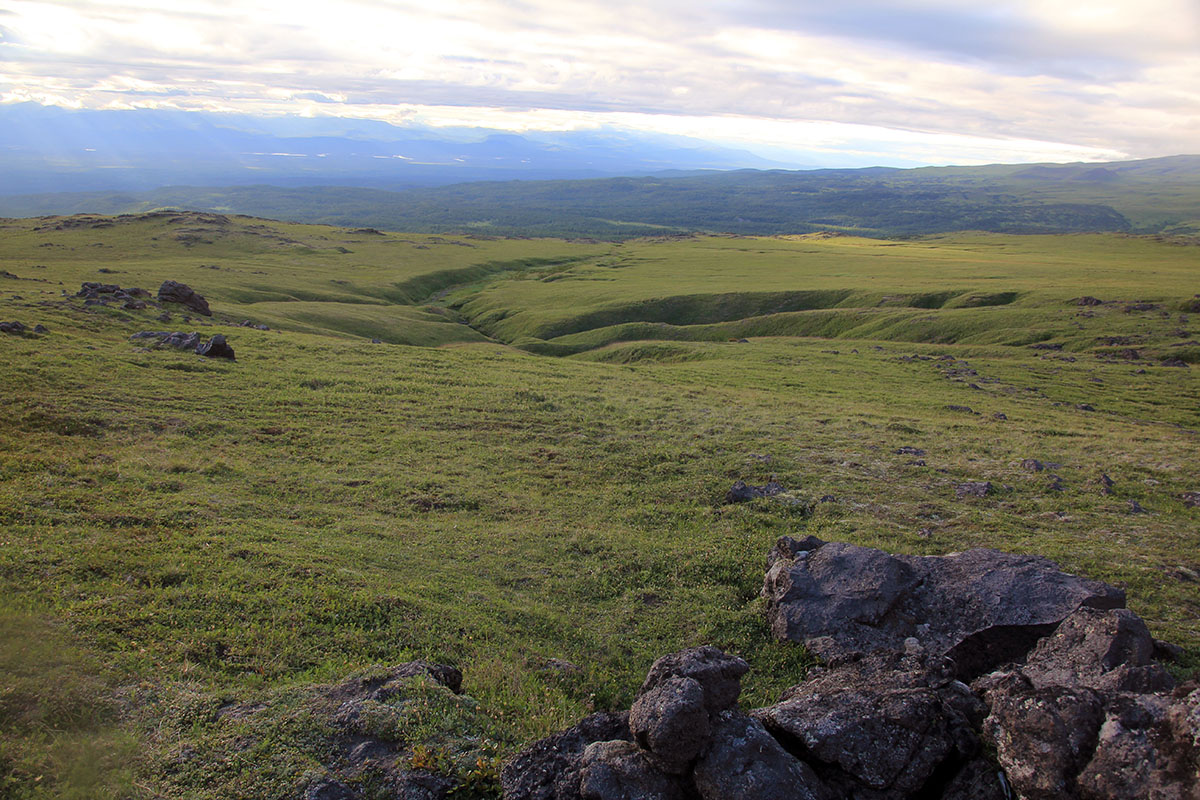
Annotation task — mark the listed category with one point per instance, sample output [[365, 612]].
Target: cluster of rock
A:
[[683, 738], [136, 299], [95, 293], [214, 347], [978, 675], [20, 329]]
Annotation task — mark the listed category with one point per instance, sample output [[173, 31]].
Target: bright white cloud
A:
[[924, 80]]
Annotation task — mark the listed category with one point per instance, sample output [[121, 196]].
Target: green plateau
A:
[[511, 454]]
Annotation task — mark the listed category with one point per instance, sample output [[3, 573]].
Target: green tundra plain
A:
[[525, 475]]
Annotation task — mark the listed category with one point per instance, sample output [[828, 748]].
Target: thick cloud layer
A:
[[922, 80]]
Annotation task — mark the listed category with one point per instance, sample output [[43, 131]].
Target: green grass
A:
[[961, 288], [178, 534]]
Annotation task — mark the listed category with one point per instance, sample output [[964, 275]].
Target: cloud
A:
[[1102, 76]]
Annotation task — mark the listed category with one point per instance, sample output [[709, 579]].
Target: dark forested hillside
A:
[[1153, 196]]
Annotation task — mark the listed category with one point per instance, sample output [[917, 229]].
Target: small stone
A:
[[973, 489]]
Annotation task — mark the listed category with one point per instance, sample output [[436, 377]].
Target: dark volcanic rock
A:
[[549, 769], [1104, 650], [885, 721], [1148, 746], [981, 607], [1043, 737], [718, 673], [1191, 499], [216, 347], [1088, 301], [747, 763], [620, 770], [670, 721], [13, 327], [174, 292]]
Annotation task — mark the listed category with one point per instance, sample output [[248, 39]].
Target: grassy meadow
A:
[[525, 476]]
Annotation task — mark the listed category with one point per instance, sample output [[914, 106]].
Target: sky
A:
[[895, 82]]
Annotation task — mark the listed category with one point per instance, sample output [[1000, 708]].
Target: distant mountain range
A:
[[1159, 196], [49, 149]]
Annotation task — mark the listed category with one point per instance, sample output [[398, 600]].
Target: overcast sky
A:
[[909, 81]]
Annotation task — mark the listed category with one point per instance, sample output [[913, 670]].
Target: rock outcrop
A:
[[1065, 698], [684, 738], [980, 608], [215, 347], [175, 292]]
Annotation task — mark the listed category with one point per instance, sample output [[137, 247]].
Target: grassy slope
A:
[[982, 288], [179, 533]]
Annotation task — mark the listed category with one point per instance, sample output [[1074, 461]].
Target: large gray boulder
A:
[[981, 607]]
